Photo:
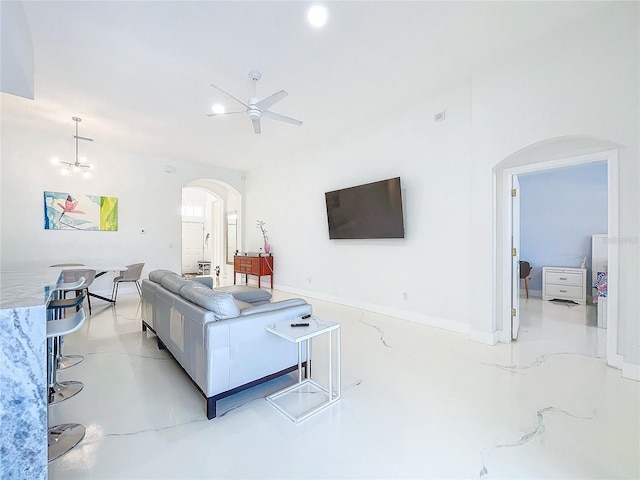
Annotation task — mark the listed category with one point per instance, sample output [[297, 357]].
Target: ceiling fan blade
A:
[[223, 114], [229, 95], [281, 118], [256, 125], [273, 99]]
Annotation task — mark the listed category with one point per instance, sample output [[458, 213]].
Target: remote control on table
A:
[[300, 324]]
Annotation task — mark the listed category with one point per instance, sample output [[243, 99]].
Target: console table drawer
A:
[[258, 265], [563, 278], [565, 292]]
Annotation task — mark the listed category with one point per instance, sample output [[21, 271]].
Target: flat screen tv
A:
[[373, 210]]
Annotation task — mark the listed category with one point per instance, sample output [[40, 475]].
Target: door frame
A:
[[505, 282], [515, 257]]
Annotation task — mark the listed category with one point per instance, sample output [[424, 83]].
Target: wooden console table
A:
[[258, 265]]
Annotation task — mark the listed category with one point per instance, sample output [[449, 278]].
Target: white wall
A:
[[581, 80], [148, 198], [431, 264]]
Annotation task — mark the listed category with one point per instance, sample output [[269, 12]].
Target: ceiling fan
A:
[[258, 109]]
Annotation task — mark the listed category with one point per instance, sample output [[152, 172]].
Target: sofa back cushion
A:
[[206, 281], [157, 275], [222, 304], [174, 282]]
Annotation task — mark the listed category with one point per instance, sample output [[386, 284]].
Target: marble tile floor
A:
[[417, 402]]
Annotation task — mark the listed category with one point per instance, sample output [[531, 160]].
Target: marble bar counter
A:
[[23, 373]]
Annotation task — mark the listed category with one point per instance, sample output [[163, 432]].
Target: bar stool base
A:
[[63, 438], [68, 361], [63, 391]]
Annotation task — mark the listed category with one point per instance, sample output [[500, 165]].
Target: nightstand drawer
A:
[[561, 278], [566, 292]]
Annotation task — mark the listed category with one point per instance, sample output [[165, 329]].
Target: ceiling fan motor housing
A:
[[253, 111]]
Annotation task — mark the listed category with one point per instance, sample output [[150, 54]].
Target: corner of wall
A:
[[488, 338], [631, 371]]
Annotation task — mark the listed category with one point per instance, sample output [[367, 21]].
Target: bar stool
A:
[[60, 391], [62, 438], [89, 275], [58, 306]]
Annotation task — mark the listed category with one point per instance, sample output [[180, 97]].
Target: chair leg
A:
[[88, 300], [526, 286], [114, 292]]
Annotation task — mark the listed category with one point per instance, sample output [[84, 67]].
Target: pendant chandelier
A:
[[80, 165]]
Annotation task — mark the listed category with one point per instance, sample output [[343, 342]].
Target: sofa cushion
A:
[[174, 282], [156, 275], [222, 304], [206, 281], [242, 306], [253, 295]]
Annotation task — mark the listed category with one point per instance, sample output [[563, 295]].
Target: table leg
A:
[[330, 366], [100, 297], [300, 362], [338, 359], [308, 369]]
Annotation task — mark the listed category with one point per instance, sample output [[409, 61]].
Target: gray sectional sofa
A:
[[218, 336]]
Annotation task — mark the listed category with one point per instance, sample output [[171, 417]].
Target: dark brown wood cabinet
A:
[[257, 265]]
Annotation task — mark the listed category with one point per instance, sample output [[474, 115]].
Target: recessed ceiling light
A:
[[217, 108], [317, 15]]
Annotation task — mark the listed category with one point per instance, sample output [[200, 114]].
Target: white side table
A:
[[308, 395]]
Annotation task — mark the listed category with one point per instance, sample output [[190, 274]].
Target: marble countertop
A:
[[25, 289]]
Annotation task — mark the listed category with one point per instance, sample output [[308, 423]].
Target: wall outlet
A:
[[438, 117], [405, 295]]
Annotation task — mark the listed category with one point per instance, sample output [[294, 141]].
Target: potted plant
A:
[[267, 247]]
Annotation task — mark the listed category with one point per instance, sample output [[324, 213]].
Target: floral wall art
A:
[[66, 211]]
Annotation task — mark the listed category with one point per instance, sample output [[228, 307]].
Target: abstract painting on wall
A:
[[64, 211]]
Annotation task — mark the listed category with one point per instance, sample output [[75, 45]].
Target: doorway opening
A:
[[206, 205], [506, 300]]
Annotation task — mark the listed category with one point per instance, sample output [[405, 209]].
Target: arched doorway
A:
[[207, 204], [554, 153]]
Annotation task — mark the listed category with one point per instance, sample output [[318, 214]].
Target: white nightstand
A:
[[564, 283]]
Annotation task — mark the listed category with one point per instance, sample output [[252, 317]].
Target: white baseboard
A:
[[532, 293], [445, 324], [631, 371], [484, 337]]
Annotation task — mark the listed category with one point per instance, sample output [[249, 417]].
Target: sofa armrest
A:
[[271, 307]]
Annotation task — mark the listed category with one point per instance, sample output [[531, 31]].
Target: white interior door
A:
[[515, 257], [192, 246]]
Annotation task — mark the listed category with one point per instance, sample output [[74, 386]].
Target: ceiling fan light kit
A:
[[258, 109]]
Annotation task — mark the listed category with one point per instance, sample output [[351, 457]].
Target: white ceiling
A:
[[139, 73]]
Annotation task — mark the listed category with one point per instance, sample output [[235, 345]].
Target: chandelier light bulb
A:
[[64, 171]]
